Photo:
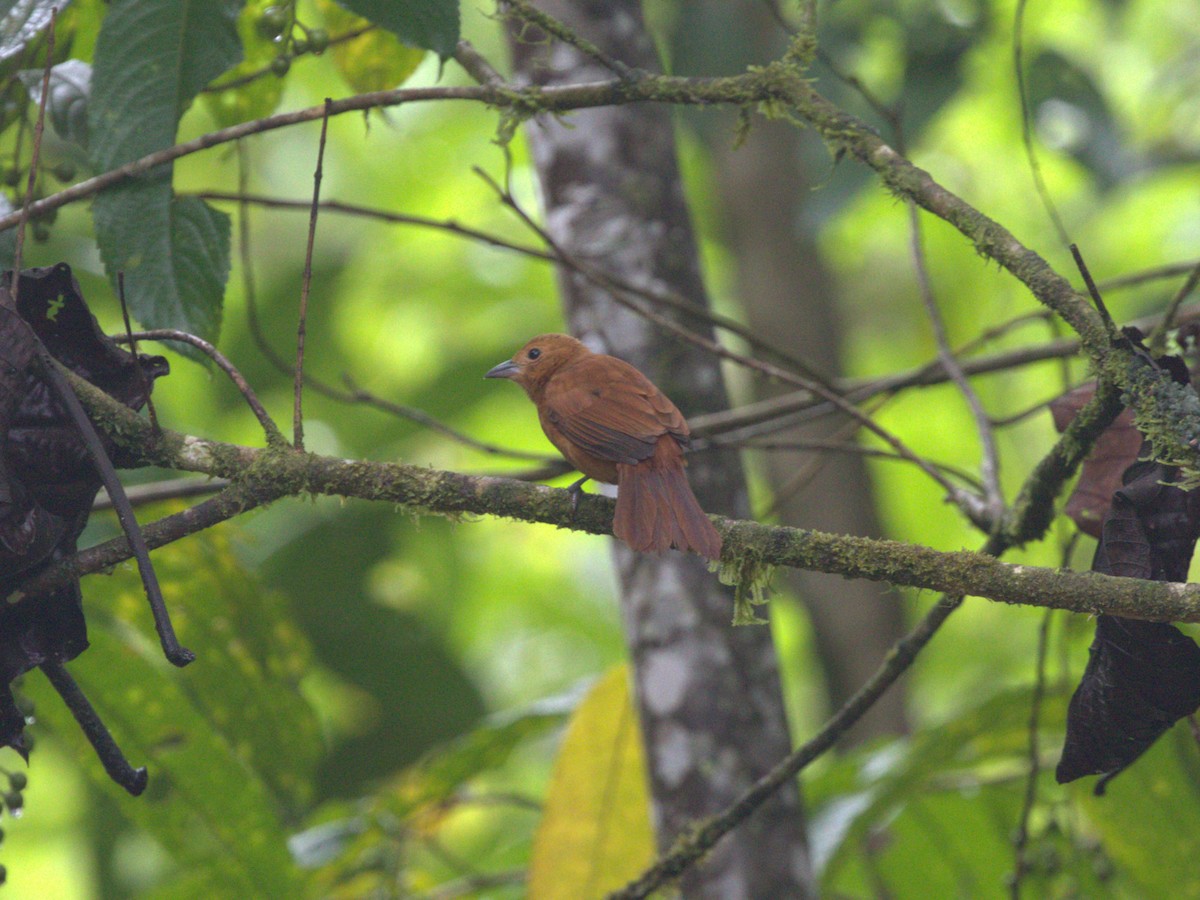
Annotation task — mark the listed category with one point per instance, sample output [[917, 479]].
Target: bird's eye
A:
[[534, 353]]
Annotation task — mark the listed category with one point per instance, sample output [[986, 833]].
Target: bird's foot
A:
[[576, 491]]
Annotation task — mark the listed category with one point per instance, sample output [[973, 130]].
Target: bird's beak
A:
[[506, 369]]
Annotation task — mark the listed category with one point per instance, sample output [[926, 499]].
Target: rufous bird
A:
[[615, 426]]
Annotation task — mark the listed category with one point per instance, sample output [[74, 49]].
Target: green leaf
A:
[[257, 98], [595, 832], [151, 60], [66, 108], [20, 24], [229, 743], [373, 61], [430, 24], [174, 252], [1149, 818]]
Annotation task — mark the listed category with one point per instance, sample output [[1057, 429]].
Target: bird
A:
[[615, 426]]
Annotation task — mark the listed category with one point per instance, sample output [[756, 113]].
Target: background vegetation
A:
[[386, 701]]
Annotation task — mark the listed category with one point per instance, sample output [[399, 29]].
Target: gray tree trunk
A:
[[791, 301], [709, 698]]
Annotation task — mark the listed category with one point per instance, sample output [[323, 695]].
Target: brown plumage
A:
[[614, 425]]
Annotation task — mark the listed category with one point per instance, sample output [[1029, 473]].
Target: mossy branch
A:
[[260, 476]]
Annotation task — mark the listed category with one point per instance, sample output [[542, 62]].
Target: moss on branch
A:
[[262, 476]]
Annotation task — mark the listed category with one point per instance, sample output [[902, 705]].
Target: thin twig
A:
[[1158, 338], [94, 729], [829, 446], [35, 158], [989, 466], [145, 382], [158, 491], [1035, 168], [476, 65], [273, 434], [176, 653], [1021, 840], [305, 286], [242, 197], [1093, 291], [556, 29]]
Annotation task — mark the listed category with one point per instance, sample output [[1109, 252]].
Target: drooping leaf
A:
[[373, 61], [1141, 677], [429, 24], [1114, 451], [151, 60], [595, 832], [48, 479]]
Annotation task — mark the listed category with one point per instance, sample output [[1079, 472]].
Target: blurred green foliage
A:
[[373, 686]]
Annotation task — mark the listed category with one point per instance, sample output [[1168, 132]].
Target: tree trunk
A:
[[791, 301], [709, 698]]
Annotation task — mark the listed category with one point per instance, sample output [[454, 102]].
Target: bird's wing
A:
[[611, 410]]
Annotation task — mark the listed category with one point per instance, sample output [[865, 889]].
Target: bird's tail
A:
[[656, 508]]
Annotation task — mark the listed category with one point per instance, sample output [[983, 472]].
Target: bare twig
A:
[[990, 463], [476, 65], [1035, 168], [98, 735], [145, 382], [35, 158], [157, 491], [1158, 338], [243, 198], [1021, 840], [273, 434], [306, 284]]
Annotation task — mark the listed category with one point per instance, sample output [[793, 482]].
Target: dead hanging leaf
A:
[[1114, 451], [1141, 677], [47, 477]]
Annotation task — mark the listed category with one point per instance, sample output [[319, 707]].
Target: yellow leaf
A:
[[595, 833], [374, 61]]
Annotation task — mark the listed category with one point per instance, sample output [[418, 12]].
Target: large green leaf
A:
[[21, 23], [430, 24], [935, 815], [1149, 819], [151, 60], [229, 743], [174, 252]]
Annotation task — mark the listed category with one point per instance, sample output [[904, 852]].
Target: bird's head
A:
[[534, 364]]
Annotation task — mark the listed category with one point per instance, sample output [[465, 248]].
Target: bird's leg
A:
[[576, 491]]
